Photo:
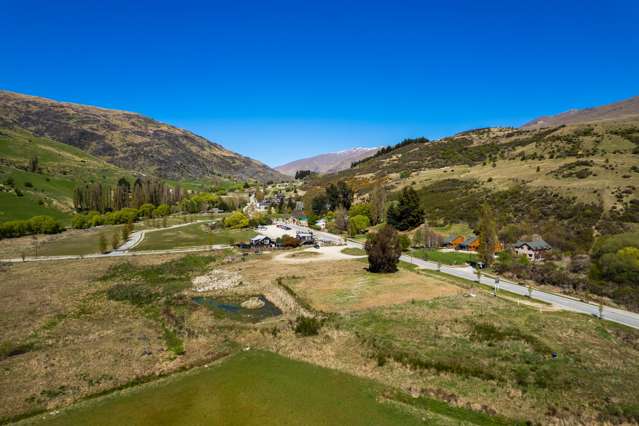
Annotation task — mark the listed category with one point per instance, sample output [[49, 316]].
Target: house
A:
[[306, 237], [472, 244], [261, 241], [534, 250], [453, 241]]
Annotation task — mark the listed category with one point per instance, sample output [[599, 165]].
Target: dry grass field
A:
[[67, 335]]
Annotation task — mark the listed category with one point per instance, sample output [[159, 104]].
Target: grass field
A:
[[500, 354], [259, 388], [13, 207], [350, 287], [447, 258], [196, 234], [354, 251]]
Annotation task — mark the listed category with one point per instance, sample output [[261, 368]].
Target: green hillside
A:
[[570, 168], [46, 188]]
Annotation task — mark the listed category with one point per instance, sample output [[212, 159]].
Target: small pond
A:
[[232, 309]]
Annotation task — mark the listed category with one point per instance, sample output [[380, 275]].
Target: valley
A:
[[226, 296]]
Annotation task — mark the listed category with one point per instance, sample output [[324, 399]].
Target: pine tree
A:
[[407, 213]]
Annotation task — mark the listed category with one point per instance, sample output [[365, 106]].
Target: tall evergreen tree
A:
[[407, 213]]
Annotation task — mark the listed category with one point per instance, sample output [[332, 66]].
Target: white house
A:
[[306, 237]]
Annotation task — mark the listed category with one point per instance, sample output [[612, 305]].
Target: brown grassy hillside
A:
[[128, 140]]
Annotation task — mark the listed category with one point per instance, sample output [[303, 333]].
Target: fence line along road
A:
[[619, 316]]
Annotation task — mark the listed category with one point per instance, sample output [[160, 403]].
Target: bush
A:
[[404, 242], [162, 210], [236, 220], [146, 210], [357, 224], [291, 242], [136, 294], [307, 326], [35, 225], [383, 249]]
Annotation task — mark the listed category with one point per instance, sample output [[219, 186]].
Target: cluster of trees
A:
[[301, 174], [103, 198], [125, 215], [35, 225], [616, 259]]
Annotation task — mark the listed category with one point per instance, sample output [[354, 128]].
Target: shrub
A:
[[288, 241], [146, 210], [35, 225], [162, 210], [357, 224], [236, 220], [102, 244], [136, 294], [383, 249], [404, 242], [307, 326]]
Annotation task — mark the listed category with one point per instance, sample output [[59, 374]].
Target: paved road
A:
[[620, 316]]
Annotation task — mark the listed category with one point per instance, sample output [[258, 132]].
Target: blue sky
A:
[[279, 80]]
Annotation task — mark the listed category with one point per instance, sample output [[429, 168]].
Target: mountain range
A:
[[129, 140], [327, 163]]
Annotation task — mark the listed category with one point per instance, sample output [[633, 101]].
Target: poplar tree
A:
[[487, 234]]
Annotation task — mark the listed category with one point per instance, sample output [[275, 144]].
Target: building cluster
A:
[[534, 249]]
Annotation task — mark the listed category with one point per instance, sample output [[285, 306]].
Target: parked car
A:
[[476, 264]]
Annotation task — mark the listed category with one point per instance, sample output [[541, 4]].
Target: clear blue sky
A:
[[278, 80]]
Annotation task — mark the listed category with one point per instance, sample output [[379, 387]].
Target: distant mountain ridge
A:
[[621, 110], [327, 163], [129, 140]]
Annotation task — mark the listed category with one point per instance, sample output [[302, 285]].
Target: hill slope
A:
[[568, 183], [327, 163], [621, 110], [128, 140]]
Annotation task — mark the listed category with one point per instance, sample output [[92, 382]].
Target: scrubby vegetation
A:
[[154, 288]]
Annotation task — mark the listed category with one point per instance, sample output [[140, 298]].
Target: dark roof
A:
[[534, 245]]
